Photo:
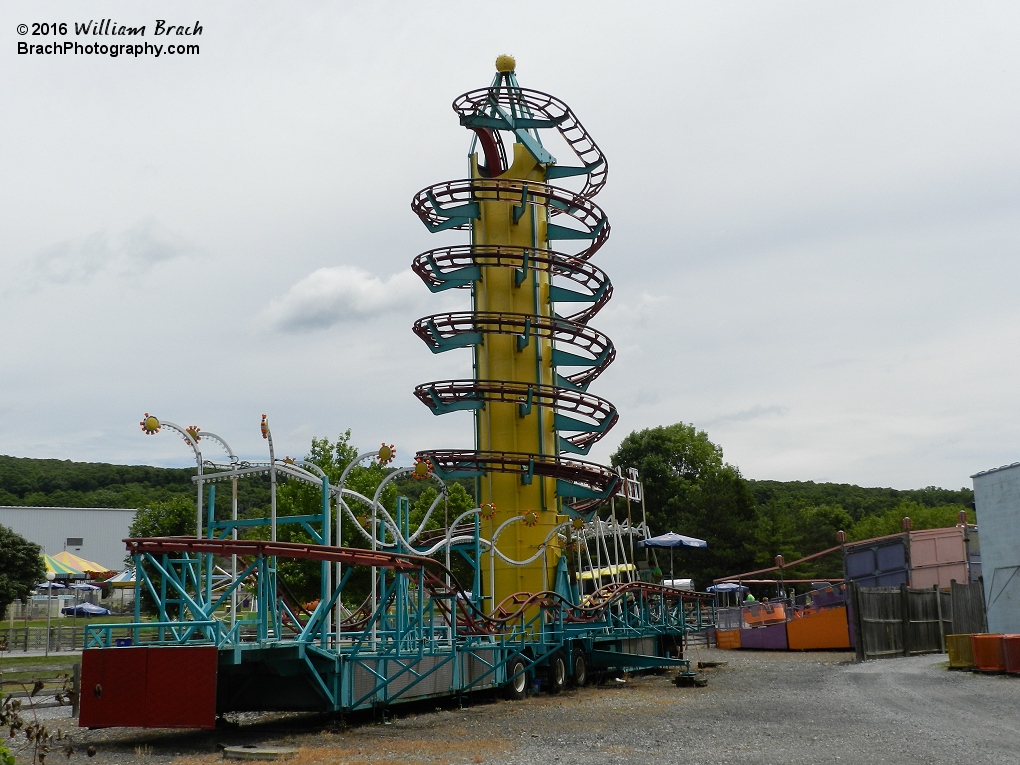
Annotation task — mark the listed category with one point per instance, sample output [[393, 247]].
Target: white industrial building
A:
[[997, 503], [94, 533]]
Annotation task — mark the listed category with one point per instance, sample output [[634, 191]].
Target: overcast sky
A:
[[815, 210]]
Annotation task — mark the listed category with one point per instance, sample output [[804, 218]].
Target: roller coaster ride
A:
[[554, 591]]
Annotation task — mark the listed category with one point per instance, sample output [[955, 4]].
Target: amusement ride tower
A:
[[534, 354]]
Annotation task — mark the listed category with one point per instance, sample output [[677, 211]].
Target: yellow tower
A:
[[522, 396], [516, 358]]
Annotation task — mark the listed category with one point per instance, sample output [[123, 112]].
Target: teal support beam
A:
[[528, 477], [524, 409], [560, 171], [555, 231], [563, 358], [208, 559], [561, 295], [524, 338]]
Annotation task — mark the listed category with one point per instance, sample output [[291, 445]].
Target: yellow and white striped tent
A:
[[61, 570]]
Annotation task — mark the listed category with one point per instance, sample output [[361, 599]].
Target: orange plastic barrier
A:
[[988, 652], [819, 631], [727, 638], [1011, 653], [961, 654]]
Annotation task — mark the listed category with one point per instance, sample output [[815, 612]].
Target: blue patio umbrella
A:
[[671, 539], [726, 587]]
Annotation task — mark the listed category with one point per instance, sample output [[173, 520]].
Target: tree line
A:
[[689, 488]]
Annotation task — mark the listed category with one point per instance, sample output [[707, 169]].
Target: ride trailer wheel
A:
[[516, 687], [556, 676], [580, 667]]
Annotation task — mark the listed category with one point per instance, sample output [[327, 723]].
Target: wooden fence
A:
[[62, 638], [899, 621], [968, 608], [55, 685]]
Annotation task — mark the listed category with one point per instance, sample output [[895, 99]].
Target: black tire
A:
[[580, 667], [556, 673], [516, 687]]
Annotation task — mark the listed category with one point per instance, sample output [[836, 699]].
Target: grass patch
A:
[[65, 621], [21, 663]]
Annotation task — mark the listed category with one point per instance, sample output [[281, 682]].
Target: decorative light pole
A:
[[50, 576]]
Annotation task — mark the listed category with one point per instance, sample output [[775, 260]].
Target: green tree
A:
[[921, 517], [302, 578], [21, 567], [794, 528], [174, 517], [691, 490], [458, 501]]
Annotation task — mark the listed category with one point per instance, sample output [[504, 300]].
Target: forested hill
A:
[[798, 518], [62, 483], [857, 501]]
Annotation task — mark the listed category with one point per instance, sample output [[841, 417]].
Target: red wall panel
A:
[[180, 690], [158, 687], [112, 687]]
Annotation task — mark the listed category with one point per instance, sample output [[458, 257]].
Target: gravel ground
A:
[[760, 707]]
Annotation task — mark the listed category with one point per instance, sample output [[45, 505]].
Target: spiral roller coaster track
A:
[[460, 267], [533, 365]]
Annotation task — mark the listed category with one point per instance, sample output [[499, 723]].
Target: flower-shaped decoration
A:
[[150, 425], [488, 510], [422, 468], [387, 453], [577, 523], [193, 431], [531, 518]]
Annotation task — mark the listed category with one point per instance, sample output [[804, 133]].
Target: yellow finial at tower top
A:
[[505, 63]]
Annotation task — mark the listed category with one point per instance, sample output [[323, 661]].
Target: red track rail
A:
[[436, 329], [350, 556], [453, 461], [429, 203], [433, 265], [596, 411]]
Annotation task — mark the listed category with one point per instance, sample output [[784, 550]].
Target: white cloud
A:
[[148, 243], [73, 261], [133, 251], [332, 295], [756, 412]]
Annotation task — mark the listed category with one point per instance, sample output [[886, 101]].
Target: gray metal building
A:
[[95, 533], [997, 502]]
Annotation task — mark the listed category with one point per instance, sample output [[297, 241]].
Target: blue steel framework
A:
[[421, 634]]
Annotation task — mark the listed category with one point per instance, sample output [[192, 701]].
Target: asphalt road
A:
[[759, 708]]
